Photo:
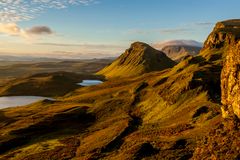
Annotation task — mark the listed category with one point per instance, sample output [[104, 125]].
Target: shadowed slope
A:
[[44, 84]]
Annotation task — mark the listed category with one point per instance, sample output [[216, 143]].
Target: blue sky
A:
[[104, 27]]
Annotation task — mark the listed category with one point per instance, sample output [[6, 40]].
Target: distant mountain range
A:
[[26, 58], [22, 58], [175, 49]]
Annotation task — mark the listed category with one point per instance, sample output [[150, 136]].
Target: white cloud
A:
[[12, 29], [22, 10], [179, 30], [96, 46], [182, 42]]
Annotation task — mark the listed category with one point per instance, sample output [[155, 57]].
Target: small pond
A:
[[89, 82]]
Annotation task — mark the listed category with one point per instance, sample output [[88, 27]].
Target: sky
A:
[[104, 28]]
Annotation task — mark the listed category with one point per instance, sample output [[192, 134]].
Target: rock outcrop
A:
[[138, 59], [230, 82], [178, 52], [224, 33], [222, 48]]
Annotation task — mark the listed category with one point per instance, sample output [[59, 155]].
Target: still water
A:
[[14, 101], [89, 82]]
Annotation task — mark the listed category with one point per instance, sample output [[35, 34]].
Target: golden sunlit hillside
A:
[[148, 107], [138, 59]]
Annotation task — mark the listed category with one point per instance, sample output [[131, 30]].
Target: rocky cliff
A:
[[230, 82], [224, 35], [223, 49]]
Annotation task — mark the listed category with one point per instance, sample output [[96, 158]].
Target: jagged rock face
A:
[[138, 59], [223, 34], [178, 52], [230, 82]]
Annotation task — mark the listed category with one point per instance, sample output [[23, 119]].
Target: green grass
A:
[[45, 84]]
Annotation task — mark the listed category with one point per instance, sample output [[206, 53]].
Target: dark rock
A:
[[200, 111], [145, 150]]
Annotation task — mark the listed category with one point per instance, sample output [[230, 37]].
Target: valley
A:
[[148, 106], [10, 70]]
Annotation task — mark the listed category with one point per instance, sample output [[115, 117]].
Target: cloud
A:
[[180, 42], [160, 31], [139, 31], [97, 46], [174, 30], [82, 50], [12, 29], [39, 30], [79, 55], [181, 29], [22, 10], [204, 23]]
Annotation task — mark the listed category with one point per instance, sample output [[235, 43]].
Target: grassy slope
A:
[[140, 58], [159, 115], [45, 84], [124, 118]]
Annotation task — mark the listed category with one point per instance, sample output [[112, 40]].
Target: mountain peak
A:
[[138, 59], [138, 48], [139, 44]]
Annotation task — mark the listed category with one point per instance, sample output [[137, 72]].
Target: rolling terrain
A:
[[10, 70], [163, 110], [45, 84]]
